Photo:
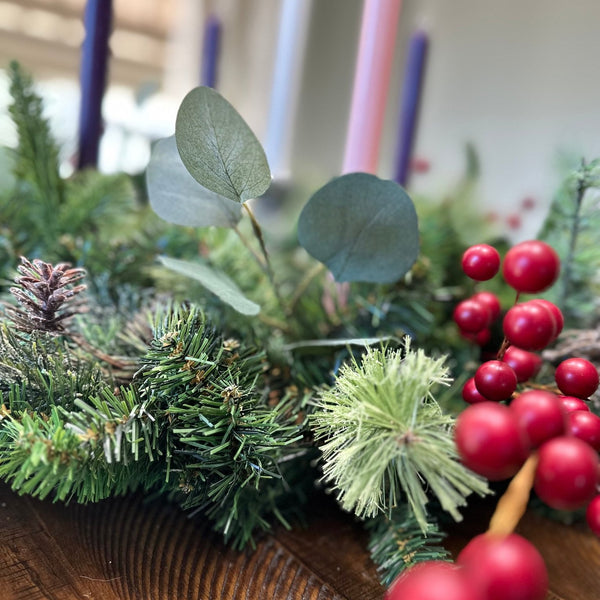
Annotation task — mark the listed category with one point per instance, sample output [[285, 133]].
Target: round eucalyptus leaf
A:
[[214, 281], [218, 148], [362, 228], [177, 197]]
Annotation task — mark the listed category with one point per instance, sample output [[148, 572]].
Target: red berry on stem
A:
[[470, 393], [471, 316], [585, 426], [540, 415], [558, 316], [490, 300], [570, 403], [480, 262], [576, 377], [433, 580], [529, 326], [495, 380], [489, 440], [531, 266], [567, 473], [525, 364], [505, 567], [592, 515]]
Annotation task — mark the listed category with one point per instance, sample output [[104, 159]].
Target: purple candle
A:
[[411, 95], [94, 62], [210, 51]]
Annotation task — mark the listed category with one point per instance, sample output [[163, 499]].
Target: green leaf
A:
[[335, 343], [177, 197], [218, 148], [214, 281], [362, 227]]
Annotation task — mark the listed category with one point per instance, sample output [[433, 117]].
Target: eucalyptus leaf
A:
[[362, 228], [214, 281], [177, 197], [218, 148]]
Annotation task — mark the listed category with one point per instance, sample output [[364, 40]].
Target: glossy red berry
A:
[[489, 440], [505, 567], [491, 301], [529, 326], [540, 415], [531, 266], [567, 473], [556, 312], [433, 580], [570, 403], [525, 364], [470, 393], [584, 425], [495, 380], [471, 316], [576, 377], [592, 515], [481, 262]]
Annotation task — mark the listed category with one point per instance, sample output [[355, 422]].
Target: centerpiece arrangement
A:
[[239, 355]]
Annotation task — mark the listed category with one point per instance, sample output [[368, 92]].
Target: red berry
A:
[[481, 338], [531, 266], [481, 262], [489, 440], [529, 326], [526, 365], [558, 316], [490, 300], [470, 393], [567, 473], [495, 380], [540, 415], [592, 515], [576, 377], [570, 403], [505, 567], [585, 426], [433, 580], [471, 316]]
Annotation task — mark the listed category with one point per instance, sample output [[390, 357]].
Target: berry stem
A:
[[513, 503]]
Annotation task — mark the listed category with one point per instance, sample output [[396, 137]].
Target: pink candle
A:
[[371, 83]]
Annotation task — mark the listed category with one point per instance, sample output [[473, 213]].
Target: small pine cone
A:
[[46, 294]]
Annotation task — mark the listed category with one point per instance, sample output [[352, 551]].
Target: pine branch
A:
[[384, 438], [397, 542]]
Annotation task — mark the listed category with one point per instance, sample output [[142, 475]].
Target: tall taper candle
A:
[[210, 51], [412, 87], [371, 84], [93, 74], [287, 76]]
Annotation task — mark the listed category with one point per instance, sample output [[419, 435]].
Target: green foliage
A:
[[214, 281], [362, 227], [178, 198], [384, 438], [571, 228], [218, 148], [397, 542]]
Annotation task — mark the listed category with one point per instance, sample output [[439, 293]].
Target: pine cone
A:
[[45, 296]]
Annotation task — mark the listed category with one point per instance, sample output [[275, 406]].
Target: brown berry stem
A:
[[513, 503]]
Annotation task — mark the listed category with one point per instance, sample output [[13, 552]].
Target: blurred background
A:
[[517, 80]]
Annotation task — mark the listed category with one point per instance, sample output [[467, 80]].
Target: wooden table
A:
[[131, 549]]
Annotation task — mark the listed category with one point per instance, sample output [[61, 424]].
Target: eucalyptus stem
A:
[[256, 228], [304, 283], [582, 186], [257, 257]]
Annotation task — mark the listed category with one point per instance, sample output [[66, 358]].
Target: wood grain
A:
[[134, 549]]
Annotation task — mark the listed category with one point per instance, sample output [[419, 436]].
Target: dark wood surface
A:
[[131, 549]]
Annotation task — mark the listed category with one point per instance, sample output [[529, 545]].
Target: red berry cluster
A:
[[494, 439], [489, 568]]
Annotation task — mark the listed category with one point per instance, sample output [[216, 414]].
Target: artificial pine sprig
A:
[[385, 439], [397, 541]]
